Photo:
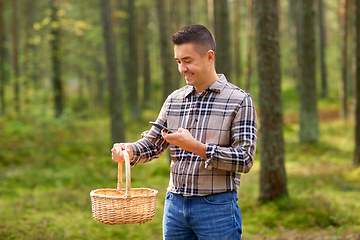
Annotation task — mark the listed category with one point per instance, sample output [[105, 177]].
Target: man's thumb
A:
[[127, 148]]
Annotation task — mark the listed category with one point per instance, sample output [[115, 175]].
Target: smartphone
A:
[[161, 126]]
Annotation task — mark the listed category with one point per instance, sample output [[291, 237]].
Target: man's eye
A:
[[187, 61]]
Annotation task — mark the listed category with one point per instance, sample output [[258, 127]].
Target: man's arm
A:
[[239, 157], [152, 144]]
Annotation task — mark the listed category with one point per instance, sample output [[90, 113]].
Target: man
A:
[[213, 142]]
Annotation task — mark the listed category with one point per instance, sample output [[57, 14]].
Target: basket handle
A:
[[128, 175]]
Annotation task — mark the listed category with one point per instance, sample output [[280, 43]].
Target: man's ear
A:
[[210, 56]]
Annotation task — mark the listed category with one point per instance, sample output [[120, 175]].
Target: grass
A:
[[48, 168], [323, 190]]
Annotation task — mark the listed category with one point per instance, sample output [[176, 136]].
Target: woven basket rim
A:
[[94, 194]]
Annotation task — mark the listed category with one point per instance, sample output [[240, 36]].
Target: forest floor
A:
[[48, 168], [324, 116], [312, 235]]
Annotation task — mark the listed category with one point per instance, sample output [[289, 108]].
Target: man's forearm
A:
[[198, 148]]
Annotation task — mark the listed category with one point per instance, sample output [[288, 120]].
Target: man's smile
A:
[[188, 75]]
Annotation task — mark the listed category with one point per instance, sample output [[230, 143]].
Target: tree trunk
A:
[[343, 82], [210, 13], [307, 84], [99, 84], [146, 60], [176, 16], [237, 41], [188, 12], [222, 37], [293, 28], [272, 173], [176, 24], [322, 35], [29, 21], [357, 108], [248, 49], [15, 57], [352, 36], [32, 71], [2, 61], [121, 43], [115, 90], [56, 60], [168, 78], [132, 78], [27, 10], [83, 102]]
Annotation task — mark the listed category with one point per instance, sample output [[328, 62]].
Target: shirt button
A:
[[184, 185], [196, 120]]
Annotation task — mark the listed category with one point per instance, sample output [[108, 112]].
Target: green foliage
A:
[[48, 168]]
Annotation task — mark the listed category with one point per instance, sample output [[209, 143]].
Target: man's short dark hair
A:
[[196, 34]]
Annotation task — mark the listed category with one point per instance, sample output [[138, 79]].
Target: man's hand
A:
[[117, 152], [183, 139]]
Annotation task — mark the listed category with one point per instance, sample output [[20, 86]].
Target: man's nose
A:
[[182, 68]]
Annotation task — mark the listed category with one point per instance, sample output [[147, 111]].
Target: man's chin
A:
[[188, 82]]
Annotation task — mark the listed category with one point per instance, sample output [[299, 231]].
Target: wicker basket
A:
[[120, 206]]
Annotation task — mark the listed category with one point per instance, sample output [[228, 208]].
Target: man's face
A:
[[192, 65]]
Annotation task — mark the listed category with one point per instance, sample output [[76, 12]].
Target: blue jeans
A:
[[212, 217]]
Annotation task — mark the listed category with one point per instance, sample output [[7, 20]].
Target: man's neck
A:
[[213, 78]]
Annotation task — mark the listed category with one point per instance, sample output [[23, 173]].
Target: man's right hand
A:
[[117, 152]]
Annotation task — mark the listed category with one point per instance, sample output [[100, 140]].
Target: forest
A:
[[77, 76]]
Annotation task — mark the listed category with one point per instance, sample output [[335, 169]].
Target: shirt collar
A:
[[217, 86]]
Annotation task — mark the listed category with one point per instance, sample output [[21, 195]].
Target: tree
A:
[[116, 100], [56, 59], [168, 78], [293, 36], [2, 61], [307, 82], [352, 59], [237, 41], [272, 173], [210, 13], [146, 58], [222, 37], [132, 78], [15, 57], [29, 21], [121, 43], [344, 34], [322, 41], [188, 12], [248, 49], [357, 108]]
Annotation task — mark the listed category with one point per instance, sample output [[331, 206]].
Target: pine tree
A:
[[272, 173]]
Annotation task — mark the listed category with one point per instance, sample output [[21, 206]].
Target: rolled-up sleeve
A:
[[152, 145], [239, 157]]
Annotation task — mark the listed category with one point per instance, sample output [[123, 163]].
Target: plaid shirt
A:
[[224, 118]]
